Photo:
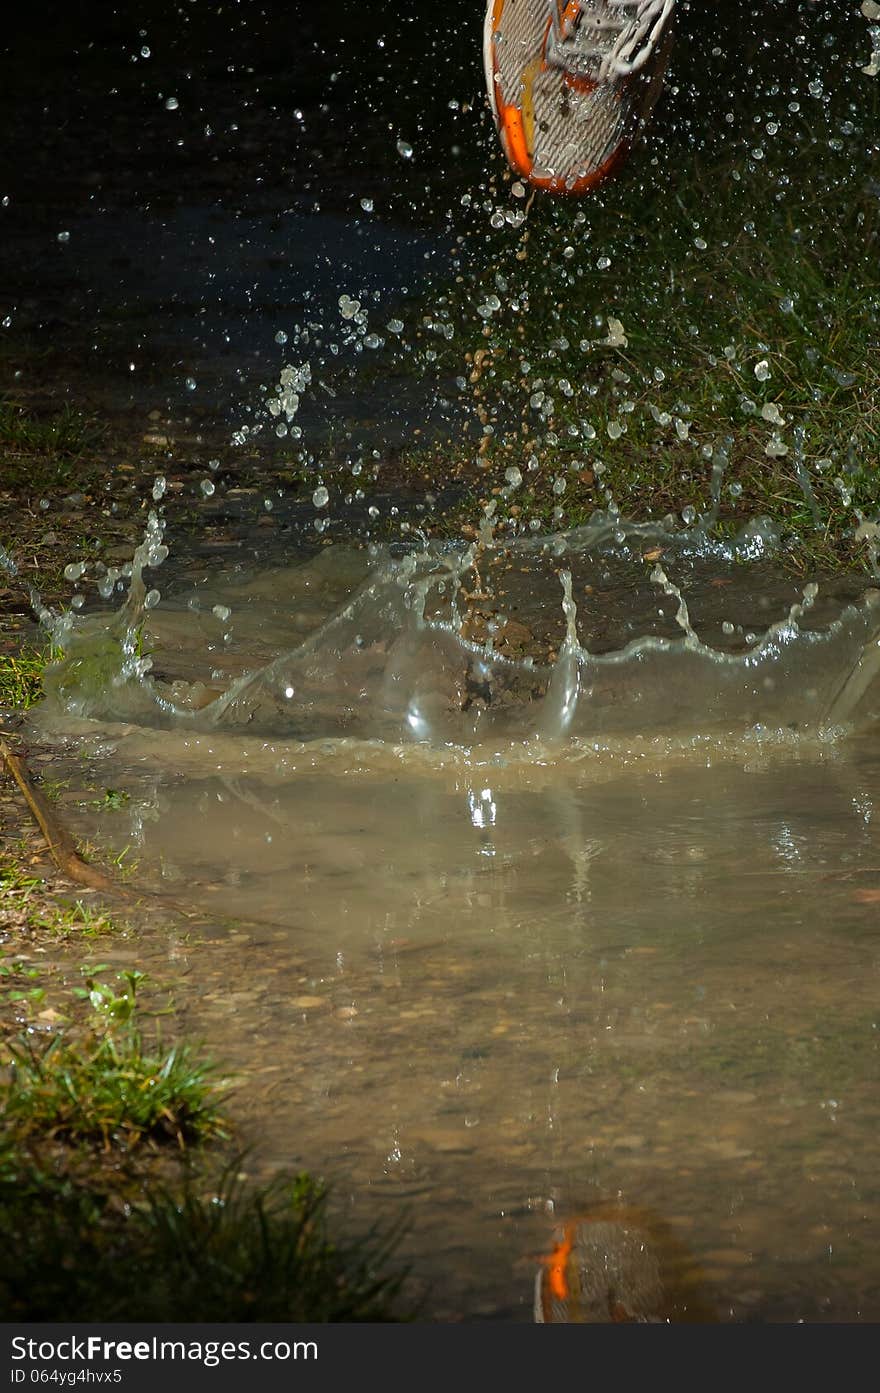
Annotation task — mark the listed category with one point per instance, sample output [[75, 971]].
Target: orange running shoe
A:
[[573, 84]]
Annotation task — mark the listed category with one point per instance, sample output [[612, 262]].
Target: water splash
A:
[[397, 661]]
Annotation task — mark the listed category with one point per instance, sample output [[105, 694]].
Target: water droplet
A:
[[190, 384], [762, 370], [775, 448], [171, 104], [348, 307], [321, 497], [404, 149], [221, 612]]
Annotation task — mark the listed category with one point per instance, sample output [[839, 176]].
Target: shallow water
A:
[[491, 987]]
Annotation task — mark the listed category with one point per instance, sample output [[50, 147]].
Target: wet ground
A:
[[495, 996]]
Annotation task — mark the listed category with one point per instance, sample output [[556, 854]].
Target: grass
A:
[[16, 882], [113, 800], [22, 982], [228, 1252], [41, 453], [21, 675], [105, 1085], [25, 901], [106, 1209], [114, 1091], [76, 920]]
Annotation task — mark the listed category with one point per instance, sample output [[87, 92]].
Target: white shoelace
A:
[[608, 37]]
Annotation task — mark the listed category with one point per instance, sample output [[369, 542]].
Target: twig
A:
[[61, 845]]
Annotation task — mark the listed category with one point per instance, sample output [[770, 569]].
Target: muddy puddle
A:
[[494, 983]]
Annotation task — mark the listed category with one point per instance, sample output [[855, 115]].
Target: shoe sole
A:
[[564, 134]]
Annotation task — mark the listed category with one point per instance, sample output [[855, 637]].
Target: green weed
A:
[[21, 676], [76, 920], [109, 1087], [15, 882], [19, 981], [114, 1091], [225, 1252], [113, 800], [40, 453]]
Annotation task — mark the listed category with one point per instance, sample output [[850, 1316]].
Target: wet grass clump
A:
[[110, 1203], [113, 1091], [27, 907], [42, 452], [105, 1085], [21, 676], [191, 1251]]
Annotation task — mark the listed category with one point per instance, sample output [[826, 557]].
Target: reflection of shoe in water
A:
[[572, 84], [618, 1265]]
